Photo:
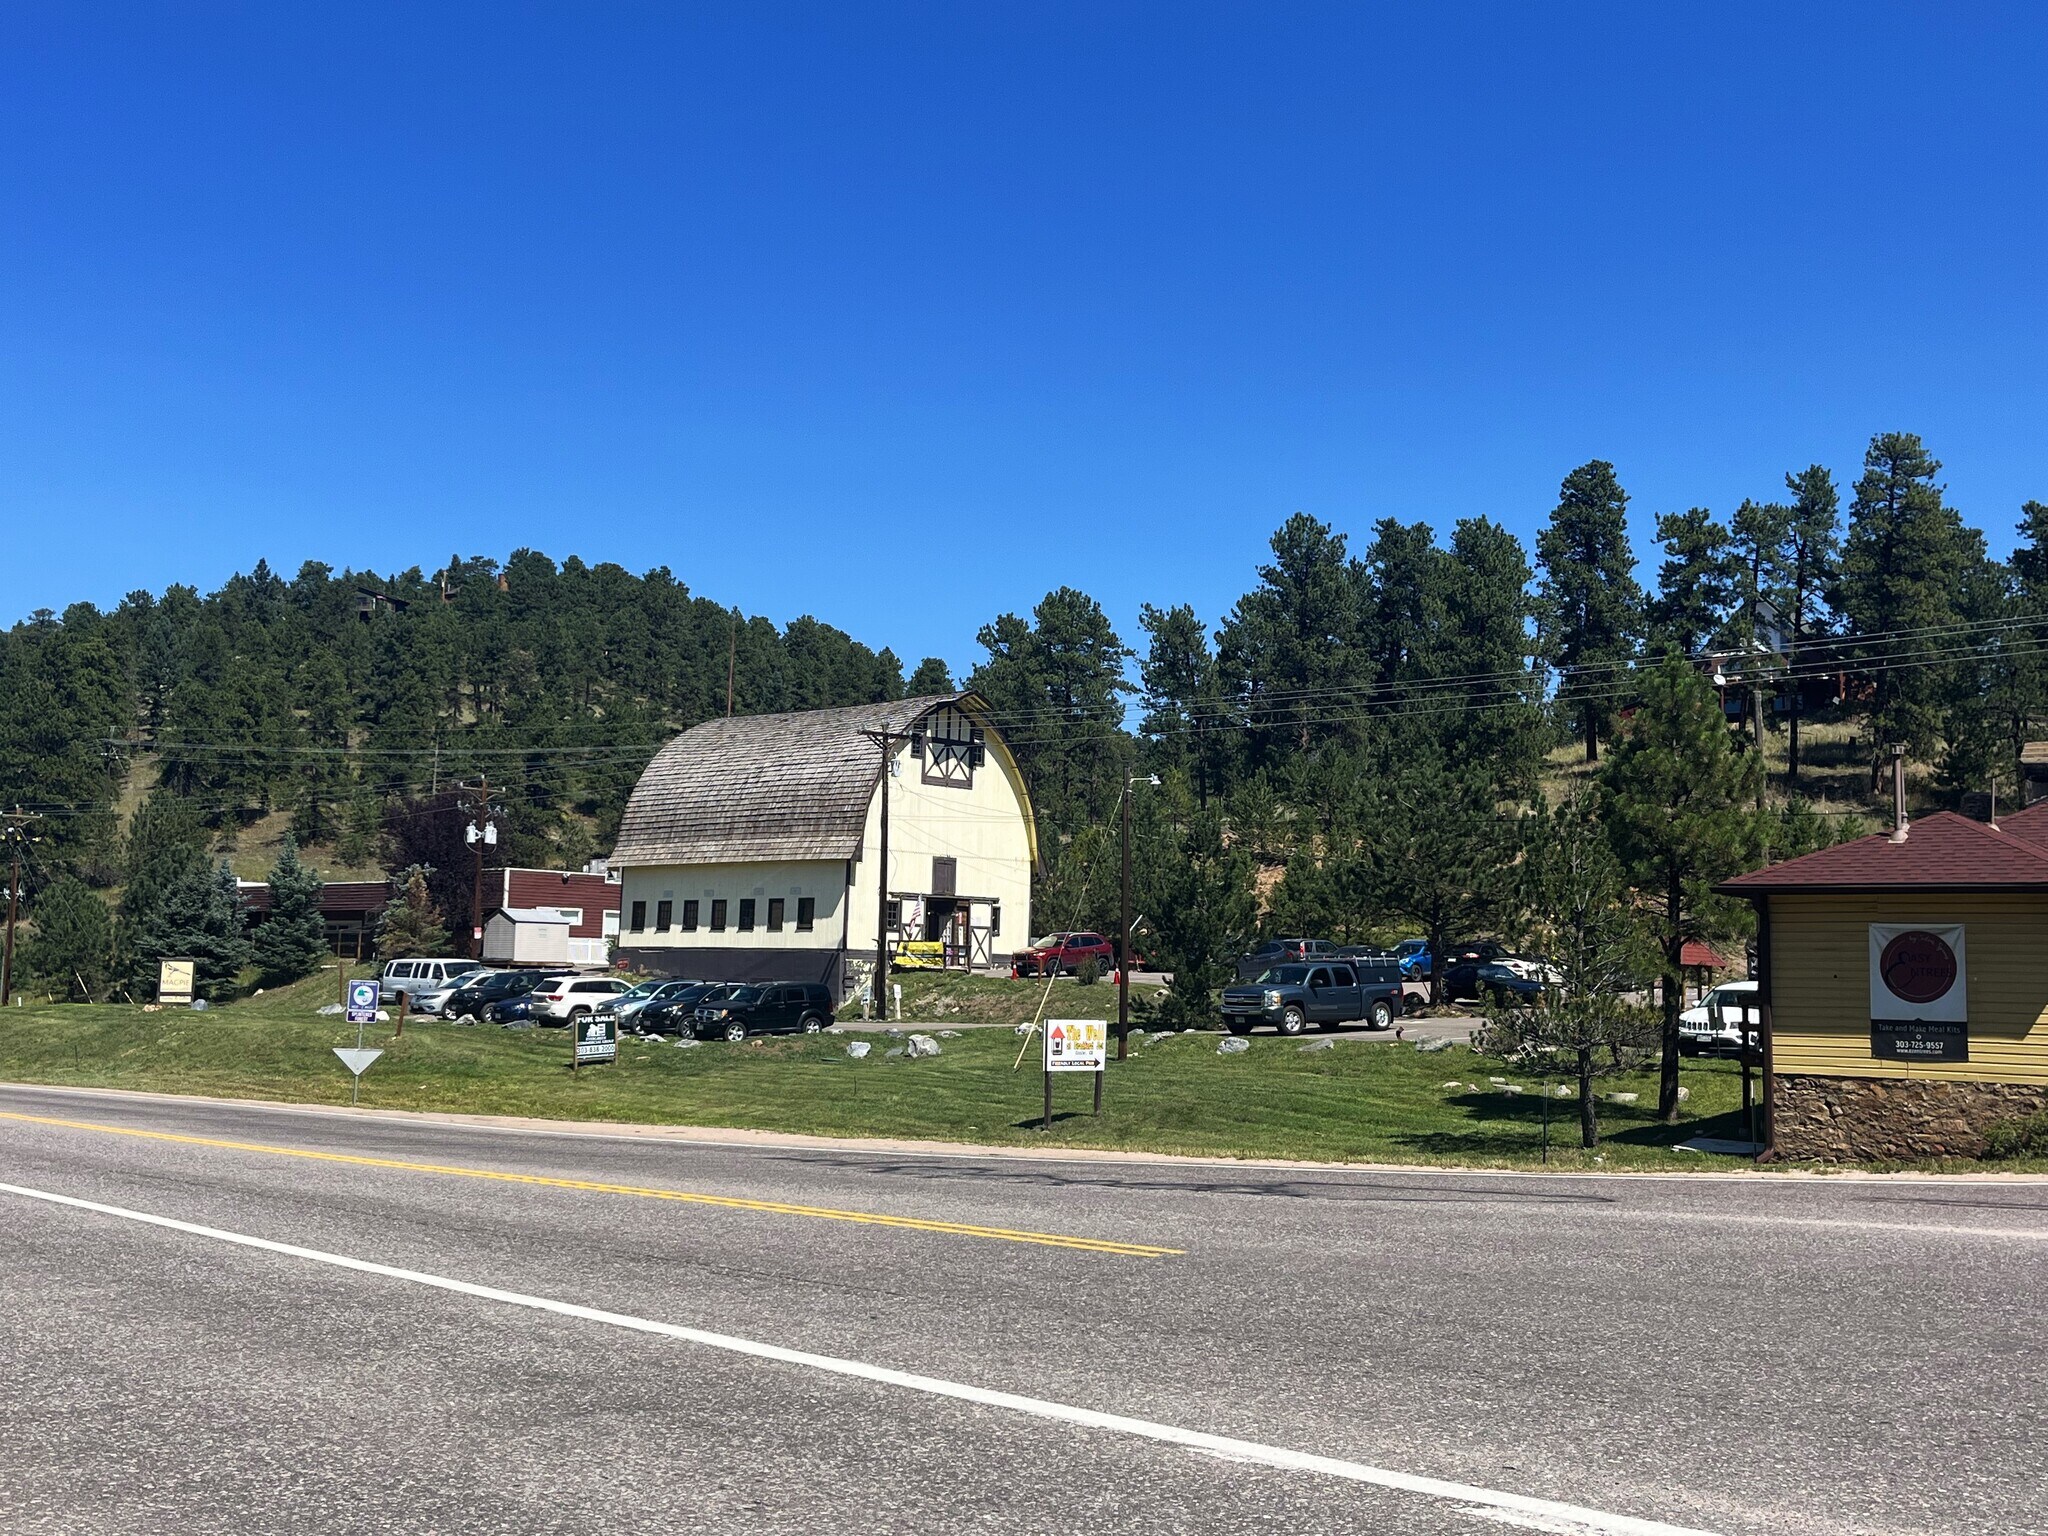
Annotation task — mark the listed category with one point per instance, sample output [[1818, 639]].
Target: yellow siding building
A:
[[1905, 984]]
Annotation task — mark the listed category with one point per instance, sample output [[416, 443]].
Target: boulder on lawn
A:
[[949, 1034], [330, 1010], [922, 1045], [1684, 1093], [683, 1042], [1440, 1043], [1623, 1098], [894, 1050], [1318, 1045], [1233, 1046], [858, 1048]]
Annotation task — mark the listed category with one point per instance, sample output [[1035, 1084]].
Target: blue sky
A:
[[899, 315]]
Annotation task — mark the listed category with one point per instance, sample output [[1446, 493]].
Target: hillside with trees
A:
[[1362, 745]]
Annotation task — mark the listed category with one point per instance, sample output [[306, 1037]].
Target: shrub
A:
[[1089, 971], [2026, 1137]]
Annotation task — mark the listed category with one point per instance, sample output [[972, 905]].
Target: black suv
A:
[[764, 1008], [676, 1013], [469, 1002], [1326, 994]]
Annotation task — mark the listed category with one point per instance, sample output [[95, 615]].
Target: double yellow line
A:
[[592, 1186]]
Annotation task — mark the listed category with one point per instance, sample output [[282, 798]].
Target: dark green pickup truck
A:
[[1323, 993]]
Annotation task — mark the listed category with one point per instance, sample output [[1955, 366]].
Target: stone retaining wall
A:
[[1868, 1119]]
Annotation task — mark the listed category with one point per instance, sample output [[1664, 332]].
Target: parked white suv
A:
[[563, 998], [412, 977], [1721, 1020]]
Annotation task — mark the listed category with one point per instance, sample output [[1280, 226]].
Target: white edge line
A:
[[1570, 1515]]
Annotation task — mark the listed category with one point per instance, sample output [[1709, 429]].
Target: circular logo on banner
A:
[[1918, 967]]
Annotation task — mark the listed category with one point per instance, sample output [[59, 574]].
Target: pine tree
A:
[[1289, 652], [1590, 607], [1696, 584], [71, 947], [1440, 853], [291, 941], [410, 923], [1813, 555], [930, 677], [1903, 569], [197, 915], [1679, 803]]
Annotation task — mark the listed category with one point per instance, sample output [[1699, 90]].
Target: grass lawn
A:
[[944, 997], [1354, 1102]]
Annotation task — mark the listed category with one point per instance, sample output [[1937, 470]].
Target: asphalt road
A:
[[448, 1328]]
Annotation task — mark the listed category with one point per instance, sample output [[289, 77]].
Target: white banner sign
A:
[[1917, 971], [1076, 1045]]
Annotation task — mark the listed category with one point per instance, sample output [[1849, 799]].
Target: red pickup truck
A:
[[1062, 954]]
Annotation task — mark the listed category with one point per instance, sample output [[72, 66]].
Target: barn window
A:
[[718, 915], [775, 911], [746, 914], [995, 919], [892, 914], [689, 917], [806, 913], [664, 913], [639, 917]]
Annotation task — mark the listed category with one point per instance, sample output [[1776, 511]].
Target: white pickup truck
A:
[[1720, 1021]]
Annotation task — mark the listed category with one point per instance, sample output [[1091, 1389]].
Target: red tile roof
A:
[[1694, 953], [1941, 852]]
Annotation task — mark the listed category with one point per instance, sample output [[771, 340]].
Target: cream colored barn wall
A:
[[823, 879], [985, 827], [1820, 984]]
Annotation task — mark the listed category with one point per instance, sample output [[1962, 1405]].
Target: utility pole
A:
[[732, 651], [14, 831], [887, 741], [482, 832], [1123, 968]]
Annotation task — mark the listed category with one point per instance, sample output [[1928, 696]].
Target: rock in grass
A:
[[1452, 1085], [1233, 1046], [858, 1048], [1442, 1043], [685, 1043], [949, 1034], [331, 1010], [1622, 1098], [922, 1045], [1684, 1094], [1022, 1029], [1510, 1087], [894, 1050], [1498, 1082], [1318, 1045]]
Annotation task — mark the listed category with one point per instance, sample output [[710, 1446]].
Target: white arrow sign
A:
[[357, 1061]]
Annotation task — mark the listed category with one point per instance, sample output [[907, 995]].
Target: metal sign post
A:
[[358, 1062], [1075, 1045]]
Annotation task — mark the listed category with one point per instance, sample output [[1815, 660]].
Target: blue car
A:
[[1414, 957]]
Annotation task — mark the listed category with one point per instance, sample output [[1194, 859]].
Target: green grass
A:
[[943, 997], [1356, 1102]]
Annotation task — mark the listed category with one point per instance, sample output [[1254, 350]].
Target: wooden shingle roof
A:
[[766, 787]]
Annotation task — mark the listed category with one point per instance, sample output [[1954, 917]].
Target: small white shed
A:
[[527, 936]]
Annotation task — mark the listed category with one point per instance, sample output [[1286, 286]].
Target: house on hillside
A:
[[754, 848]]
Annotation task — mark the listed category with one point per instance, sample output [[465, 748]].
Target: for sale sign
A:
[[1919, 992], [597, 1038], [1076, 1045]]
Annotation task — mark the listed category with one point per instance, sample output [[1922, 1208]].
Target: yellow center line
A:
[[691, 1197]]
